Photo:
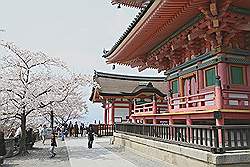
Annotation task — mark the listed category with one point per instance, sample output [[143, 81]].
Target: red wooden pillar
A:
[[130, 108], [248, 75], [154, 120], [108, 113], [154, 109], [200, 79], [113, 112], [218, 94], [223, 73], [189, 122], [154, 105], [248, 81], [105, 116], [220, 122], [171, 130]]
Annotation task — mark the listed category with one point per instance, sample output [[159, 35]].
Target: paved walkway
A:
[[98, 156], [39, 157], [74, 153], [105, 155]]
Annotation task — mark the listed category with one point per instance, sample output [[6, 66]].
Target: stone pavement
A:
[[105, 155], [74, 153], [39, 157]]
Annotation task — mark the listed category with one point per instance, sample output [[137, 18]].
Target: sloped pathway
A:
[[74, 153], [39, 157], [105, 155]]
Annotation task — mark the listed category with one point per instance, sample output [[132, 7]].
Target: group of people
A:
[[72, 130]]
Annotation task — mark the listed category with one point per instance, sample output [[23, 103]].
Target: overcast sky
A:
[[74, 30]]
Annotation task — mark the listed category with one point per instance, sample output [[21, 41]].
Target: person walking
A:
[[76, 129], [44, 134], [90, 132], [70, 129], [53, 145], [81, 129]]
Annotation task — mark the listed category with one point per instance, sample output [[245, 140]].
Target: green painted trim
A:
[[178, 31], [237, 52], [232, 60], [212, 62], [189, 63], [216, 60], [240, 10]]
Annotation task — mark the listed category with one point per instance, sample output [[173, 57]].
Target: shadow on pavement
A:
[[38, 155]]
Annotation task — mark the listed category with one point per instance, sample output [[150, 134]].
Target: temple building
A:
[[203, 47], [123, 95]]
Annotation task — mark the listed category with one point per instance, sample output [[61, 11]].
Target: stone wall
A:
[[180, 156]]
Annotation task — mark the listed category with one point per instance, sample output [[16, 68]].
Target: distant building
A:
[[123, 95]]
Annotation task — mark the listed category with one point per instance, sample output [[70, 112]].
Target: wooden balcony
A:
[[161, 107], [236, 100], [202, 101], [199, 102]]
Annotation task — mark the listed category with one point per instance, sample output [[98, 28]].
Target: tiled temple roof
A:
[[125, 85], [131, 3]]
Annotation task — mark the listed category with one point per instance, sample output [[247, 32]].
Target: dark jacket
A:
[[53, 141], [90, 132]]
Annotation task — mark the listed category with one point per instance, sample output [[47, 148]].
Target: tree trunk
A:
[[22, 144]]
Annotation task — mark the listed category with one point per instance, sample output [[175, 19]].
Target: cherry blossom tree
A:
[[32, 83]]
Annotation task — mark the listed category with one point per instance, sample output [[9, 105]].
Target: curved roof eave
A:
[[127, 77], [136, 20]]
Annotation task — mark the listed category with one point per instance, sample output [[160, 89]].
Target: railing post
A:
[[216, 138], [105, 116], [171, 122], [189, 122], [133, 120], [219, 123]]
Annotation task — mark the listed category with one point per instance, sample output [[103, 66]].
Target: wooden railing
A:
[[193, 102], [103, 130], [210, 138], [148, 107], [200, 102], [236, 99]]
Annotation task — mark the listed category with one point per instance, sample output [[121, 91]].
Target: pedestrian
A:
[[90, 132], [44, 133], [81, 129], [76, 129], [53, 145], [70, 129], [65, 130]]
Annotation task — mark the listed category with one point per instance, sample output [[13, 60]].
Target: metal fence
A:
[[216, 139]]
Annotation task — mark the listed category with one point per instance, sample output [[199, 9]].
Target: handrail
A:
[[216, 139], [195, 95], [235, 91], [142, 105]]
